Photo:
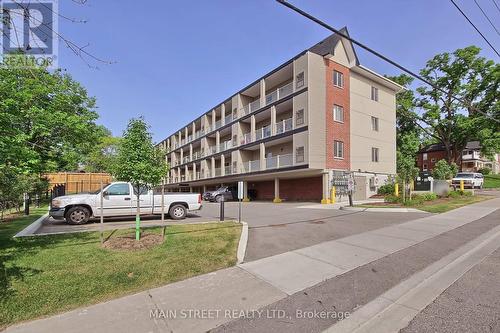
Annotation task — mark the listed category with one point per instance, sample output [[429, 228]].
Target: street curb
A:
[[382, 210], [242, 245], [30, 230]]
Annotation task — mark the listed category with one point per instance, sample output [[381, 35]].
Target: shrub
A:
[[391, 198], [458, 193], [443, 171], [429, 196], [485, 171], [386, 189]]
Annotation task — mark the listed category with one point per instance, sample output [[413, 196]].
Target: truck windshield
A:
[[465, 175]]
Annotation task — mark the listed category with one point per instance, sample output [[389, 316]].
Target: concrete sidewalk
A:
[[202, 303]]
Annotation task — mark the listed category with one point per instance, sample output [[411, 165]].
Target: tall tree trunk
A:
[[138, 216]]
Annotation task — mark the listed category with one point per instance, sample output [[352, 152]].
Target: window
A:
[[424, 156], [338, 149], [375, 124], [118, 189], [375, 94], [299, 80], [299, 155], [143, 190], [299, 117], [338, 113], [338, 79], [374, 154]]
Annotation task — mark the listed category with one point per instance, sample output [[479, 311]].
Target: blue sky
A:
[[177, 59]]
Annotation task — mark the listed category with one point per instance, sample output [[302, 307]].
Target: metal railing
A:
[[227, 170], [284, 126], [228, 119], [186, 159], [251, 107], [247, 138], [225, 145], [263, 132], [218, 172], [218, 124]]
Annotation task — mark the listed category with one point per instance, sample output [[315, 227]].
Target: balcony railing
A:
[[284, 126], [279, 161], [263, 132], [225, 145], [218, 124], [255, 105], [228, 119], [227, 170], [251, 166], [196, 155], [186, 159], [218, 172], [190, 138], [212, 150], [247, 138]]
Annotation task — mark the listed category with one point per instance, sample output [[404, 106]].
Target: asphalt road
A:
[[472, 304]]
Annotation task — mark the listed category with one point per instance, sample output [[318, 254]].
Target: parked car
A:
[[223, 191], [471, 180], [120, 199]]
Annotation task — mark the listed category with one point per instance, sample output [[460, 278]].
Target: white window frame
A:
[[375, 124], [338, 79], [374, 94], [335, 109], [338, 149], [375, 154]]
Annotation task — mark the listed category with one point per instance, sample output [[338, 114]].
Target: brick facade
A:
[[301, 189], [432, 158], [336, 130]]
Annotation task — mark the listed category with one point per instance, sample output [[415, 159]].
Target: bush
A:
[[443, 171], [485, 171], [429, 196], [391, 198], [386, 189], [458, 193]]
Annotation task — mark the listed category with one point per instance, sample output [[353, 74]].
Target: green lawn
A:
[[492, 181], [46, 275], [440, 205]]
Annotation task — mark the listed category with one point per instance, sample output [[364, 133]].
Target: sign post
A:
[[240, 197]]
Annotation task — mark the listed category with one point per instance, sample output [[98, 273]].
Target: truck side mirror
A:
[[105, 193]]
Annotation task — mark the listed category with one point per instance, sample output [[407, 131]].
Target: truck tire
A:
[[77, 215], [177, 212]]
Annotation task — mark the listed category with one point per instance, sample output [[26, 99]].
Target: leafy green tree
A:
[[476, 81], [139, 161], [103, 157], [444, 170], [47, 120], [405, 160]]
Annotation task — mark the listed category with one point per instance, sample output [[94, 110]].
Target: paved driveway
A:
[[273, 228]]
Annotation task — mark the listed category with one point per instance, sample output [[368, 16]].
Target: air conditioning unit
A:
[[374, 182]]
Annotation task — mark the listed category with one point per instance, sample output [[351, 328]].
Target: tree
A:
[[444, 170], [405, 160], [47, 120], [139, 161], [103, 157], [474, 80]]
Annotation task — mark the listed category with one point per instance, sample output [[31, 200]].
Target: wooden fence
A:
[[77, 182]]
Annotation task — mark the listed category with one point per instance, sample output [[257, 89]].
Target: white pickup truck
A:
[[120, 199]]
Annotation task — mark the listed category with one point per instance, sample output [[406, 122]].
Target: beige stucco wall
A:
[[363, 138], [316, 111]]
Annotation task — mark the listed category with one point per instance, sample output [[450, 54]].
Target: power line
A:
[[482, 11], [392, 62], [496, 5], [478, 31]]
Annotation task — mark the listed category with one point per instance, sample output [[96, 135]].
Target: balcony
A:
[[251, 166], [228, 119], [279, 161], [227, 170], [284, 126], [218, 172], [263, 133], [249, 108], [279, 93], [196, 155], [225, 145], [212, 150], [247, 138], [218, 124], [189, 138], [186, 159]]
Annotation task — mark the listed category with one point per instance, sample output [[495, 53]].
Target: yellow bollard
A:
[[462, 185], [396, 189], [332, 195]]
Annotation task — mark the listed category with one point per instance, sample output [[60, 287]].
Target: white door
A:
[[117, 200], [145, 201]]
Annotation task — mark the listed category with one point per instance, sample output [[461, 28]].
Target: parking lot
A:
[[273, 228]]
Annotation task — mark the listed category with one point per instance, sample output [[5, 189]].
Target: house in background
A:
[[472, 160]]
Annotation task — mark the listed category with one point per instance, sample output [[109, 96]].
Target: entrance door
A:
[[117, 200]]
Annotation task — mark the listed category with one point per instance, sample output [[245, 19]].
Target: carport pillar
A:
[[325, 195], [245, 192], [277, 198]]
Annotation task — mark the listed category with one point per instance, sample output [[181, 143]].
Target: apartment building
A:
[[288, 133]]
